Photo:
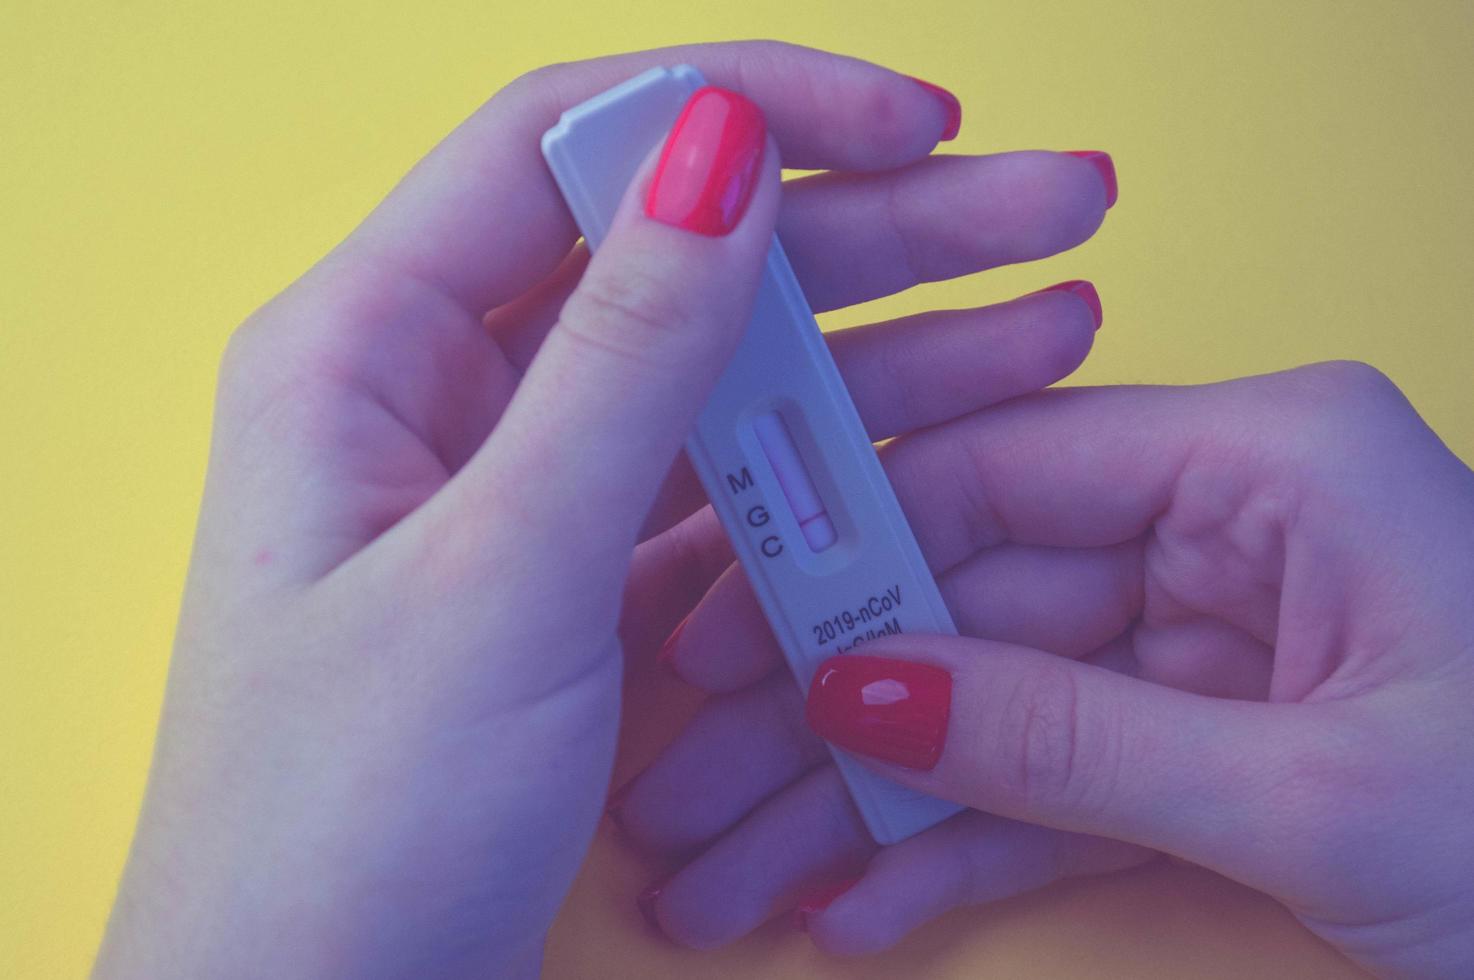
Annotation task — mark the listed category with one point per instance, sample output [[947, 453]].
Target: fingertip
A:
[[1060, 332], [647, 901], [633, 827], [724, 645], [1105, 167], [1083, 290], [665, 905], [949, 105], [733, 672], [853, 931], [832, 111], [1049, 202], [892, 119], [816, 902]]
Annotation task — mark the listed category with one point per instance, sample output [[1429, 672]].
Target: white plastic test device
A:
[[779, 448]]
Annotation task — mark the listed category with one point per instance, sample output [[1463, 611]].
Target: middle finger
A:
[[857, 237]]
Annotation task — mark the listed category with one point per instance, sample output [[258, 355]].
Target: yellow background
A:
[[1295, 185]]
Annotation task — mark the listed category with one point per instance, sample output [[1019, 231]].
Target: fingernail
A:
[[817, 901], [1082, 288], [1103, 163], [646, 902], [667, 655], [893, 710], [951, 108], [710, 164]]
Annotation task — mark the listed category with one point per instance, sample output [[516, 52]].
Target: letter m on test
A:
[[739, 481]]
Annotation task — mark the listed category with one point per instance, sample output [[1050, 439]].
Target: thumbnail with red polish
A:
[[1104, 165], [892, 710], [1082, 288], [951, 108], [710, 164]]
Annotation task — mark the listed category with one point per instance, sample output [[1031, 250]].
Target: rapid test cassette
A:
[[779, 448]]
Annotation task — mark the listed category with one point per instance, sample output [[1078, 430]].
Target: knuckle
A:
[[263, 387], [536, 83], [534, 79], [905, 234], [1332, 412], [915, 404], [253, 366], [774, 48], [1044, 764], [241, 360], [1340, 398], [631, 316], [302, 342], [547, 89], [1343, 384], [632, 299], [1039, 730]]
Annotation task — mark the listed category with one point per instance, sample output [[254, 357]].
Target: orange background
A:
[[1294, 187]]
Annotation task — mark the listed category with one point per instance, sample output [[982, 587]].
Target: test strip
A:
[[779, 447], [793, 478]]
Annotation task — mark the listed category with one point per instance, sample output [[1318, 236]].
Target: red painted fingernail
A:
[[951, 108], [667, 655], [893, 710], [818, 901], [1082, 288], [710, 164], [646, 902], [1103, 163]]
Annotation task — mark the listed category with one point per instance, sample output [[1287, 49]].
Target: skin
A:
[[1229, 623], [444, 515]]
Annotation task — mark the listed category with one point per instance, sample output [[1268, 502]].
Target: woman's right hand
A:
[[1233, 623]]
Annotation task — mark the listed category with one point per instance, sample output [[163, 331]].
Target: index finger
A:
[[1087, 467], [481, 219], [1066, 467]]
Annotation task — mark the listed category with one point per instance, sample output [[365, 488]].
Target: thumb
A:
[[1038, 737], [617, 384]]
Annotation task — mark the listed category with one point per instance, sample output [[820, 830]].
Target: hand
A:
[[428, 529], [1232, 623]]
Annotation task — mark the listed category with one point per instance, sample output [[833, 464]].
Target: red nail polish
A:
[[1103, 163], [710, 164], [1082, 288], [893, 710], [667, 655], [818, 901], [951, 108], [646, 903]]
